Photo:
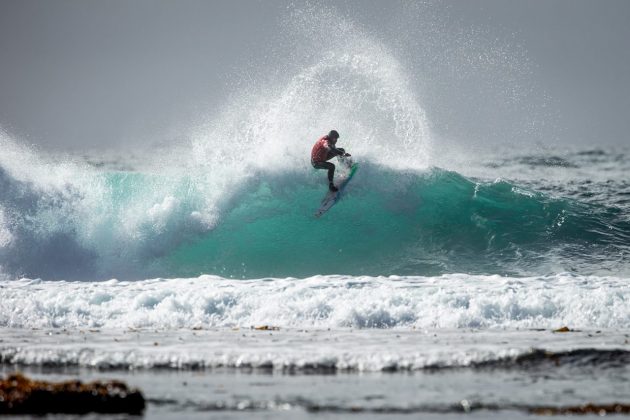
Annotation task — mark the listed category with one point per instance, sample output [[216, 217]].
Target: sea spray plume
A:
[[478, 83], [347, 81], [368, 87]]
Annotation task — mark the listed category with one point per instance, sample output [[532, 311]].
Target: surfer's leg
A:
[[326, 165], [331, 171], [331, 175]]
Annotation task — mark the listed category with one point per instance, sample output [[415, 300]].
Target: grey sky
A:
[[85, 74], [581, 57]]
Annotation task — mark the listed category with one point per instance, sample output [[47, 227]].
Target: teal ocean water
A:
[[134, 225], [406, 223]]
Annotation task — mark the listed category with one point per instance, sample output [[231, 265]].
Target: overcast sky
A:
[[82, 74]]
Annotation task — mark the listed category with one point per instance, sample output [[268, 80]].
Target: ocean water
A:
[[435, 286], [423, 291]]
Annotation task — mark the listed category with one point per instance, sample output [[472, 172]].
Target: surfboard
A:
[[331, 197]]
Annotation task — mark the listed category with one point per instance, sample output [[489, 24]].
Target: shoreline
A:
[[444, 395], [294, 350], [394, 372]]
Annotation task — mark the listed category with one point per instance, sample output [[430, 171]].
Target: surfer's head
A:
[[333, 135]]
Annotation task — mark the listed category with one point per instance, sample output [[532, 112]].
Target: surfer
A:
[[324, 150]]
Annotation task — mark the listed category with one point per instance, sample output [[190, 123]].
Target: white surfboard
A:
[[331, 197]]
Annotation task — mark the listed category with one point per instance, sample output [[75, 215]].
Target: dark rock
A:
[[21, 395], [600, 410]]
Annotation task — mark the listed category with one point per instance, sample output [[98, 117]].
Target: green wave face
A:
[[399, 223], [134, 225]]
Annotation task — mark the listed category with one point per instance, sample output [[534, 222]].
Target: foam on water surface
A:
[[313, 350], [450, 301]]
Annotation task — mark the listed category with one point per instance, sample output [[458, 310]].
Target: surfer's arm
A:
[[343, 151], [337, 151]]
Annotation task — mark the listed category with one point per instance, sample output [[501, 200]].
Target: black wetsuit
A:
[[328, 165]]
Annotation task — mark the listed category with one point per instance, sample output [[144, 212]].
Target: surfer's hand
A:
[[347, 154]]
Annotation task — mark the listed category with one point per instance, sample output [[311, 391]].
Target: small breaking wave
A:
[[457, 301]]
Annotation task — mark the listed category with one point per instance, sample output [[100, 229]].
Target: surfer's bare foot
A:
[[332, 187]]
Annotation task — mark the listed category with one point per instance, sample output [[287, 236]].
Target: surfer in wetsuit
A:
[[324, 150]]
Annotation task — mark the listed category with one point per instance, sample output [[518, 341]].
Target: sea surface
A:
[[431, 291], [445, 282]]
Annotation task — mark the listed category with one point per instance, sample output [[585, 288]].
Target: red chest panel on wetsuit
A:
[[320, 150]]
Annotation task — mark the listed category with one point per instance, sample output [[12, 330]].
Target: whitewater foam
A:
[[450, 301], [310, 350]]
